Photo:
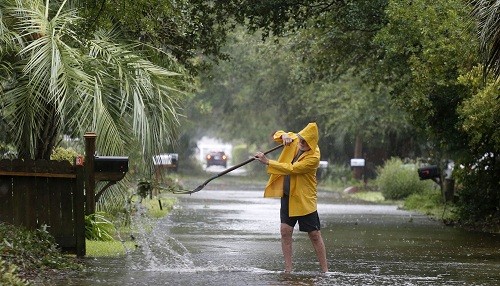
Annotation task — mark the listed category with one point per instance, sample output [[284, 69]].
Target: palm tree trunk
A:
[[46, 139], [48, 136]]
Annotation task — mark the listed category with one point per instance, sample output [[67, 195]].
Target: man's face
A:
[[303, 146]]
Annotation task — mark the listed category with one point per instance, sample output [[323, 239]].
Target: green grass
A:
[[107, 248], [431, 203], [375, 197], [116, 248], [154, 209]]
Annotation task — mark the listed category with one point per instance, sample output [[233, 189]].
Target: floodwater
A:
[[228, 236]]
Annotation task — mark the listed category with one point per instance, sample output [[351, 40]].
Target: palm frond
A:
[[97, 84], [146, 91], [487, 13]]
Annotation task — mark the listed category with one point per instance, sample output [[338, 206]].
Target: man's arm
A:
[[306, 165], [286, 138]]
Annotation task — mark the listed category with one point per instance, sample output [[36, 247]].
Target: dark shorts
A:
[[307, 223]]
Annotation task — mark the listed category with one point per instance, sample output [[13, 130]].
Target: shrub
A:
[[430, 202], [97, 227], [240, 153], [339, 173], [33, 252], [478, 198], [397, 181], [8, 275], [64, 154]]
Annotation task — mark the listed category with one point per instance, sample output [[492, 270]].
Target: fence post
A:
[[90, 138], [79, 212]]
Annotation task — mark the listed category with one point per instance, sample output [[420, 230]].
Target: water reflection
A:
[[232, 238]]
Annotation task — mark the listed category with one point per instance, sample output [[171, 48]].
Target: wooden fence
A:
[[45, 193]]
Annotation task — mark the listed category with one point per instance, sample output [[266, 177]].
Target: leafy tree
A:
[[187, 30], [241, 98], [56, 81], [339, 40], [438, 82], [257, 91], [424, 48], [479, 173], [353, 113], [487, 14]]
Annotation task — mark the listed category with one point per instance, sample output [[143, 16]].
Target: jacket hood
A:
[[310, 134]]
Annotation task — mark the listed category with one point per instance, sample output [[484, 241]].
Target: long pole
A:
[[200, 187]]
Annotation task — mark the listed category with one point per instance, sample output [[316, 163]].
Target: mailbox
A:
[[111, 164], [167, 160], [357, 162], [429, 172]]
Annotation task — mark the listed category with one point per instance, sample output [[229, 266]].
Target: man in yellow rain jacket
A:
[[293, 179]]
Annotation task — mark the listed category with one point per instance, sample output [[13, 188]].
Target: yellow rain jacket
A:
[[303, 191]]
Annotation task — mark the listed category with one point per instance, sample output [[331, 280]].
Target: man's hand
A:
[[262, 158], [287, 140]]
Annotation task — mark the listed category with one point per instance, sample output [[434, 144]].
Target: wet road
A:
[[226, 236]]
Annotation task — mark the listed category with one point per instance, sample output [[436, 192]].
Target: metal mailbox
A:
[[357, 162], [111, 164], [429, 172]]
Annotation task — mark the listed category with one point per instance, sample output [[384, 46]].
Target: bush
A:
[[430, 203], [339, 173], [98, 228], [33, 252], [8, 275], [240, 154], [64, 154], [397, 181], [478, 198]]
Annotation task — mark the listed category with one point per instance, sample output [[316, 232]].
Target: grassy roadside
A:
[[153, 209], [28, 256], [429, 202]]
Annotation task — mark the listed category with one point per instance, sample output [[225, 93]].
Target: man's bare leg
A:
[[286, 245], [319, 248]]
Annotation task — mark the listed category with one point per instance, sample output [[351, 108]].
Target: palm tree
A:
[[55, 82], [487, 13]]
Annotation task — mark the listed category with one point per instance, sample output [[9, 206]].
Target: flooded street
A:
[[228, 236]]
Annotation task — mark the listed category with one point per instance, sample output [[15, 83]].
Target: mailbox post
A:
[[100, 168], [90, 138], [358, 166]]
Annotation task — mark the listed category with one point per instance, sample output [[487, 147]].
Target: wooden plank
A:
[[19, 187], [54, 208], [5, 165], [43, 194], [6, 200], [30, 201], [36, 174], [66, 188], [79, 211], [61, 167]]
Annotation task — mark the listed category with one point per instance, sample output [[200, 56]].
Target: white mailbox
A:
[[357, 162]]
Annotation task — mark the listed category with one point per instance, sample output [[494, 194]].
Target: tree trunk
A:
[[357, 172], [46, 137]]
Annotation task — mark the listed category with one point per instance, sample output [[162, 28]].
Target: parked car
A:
[[218, 158]]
